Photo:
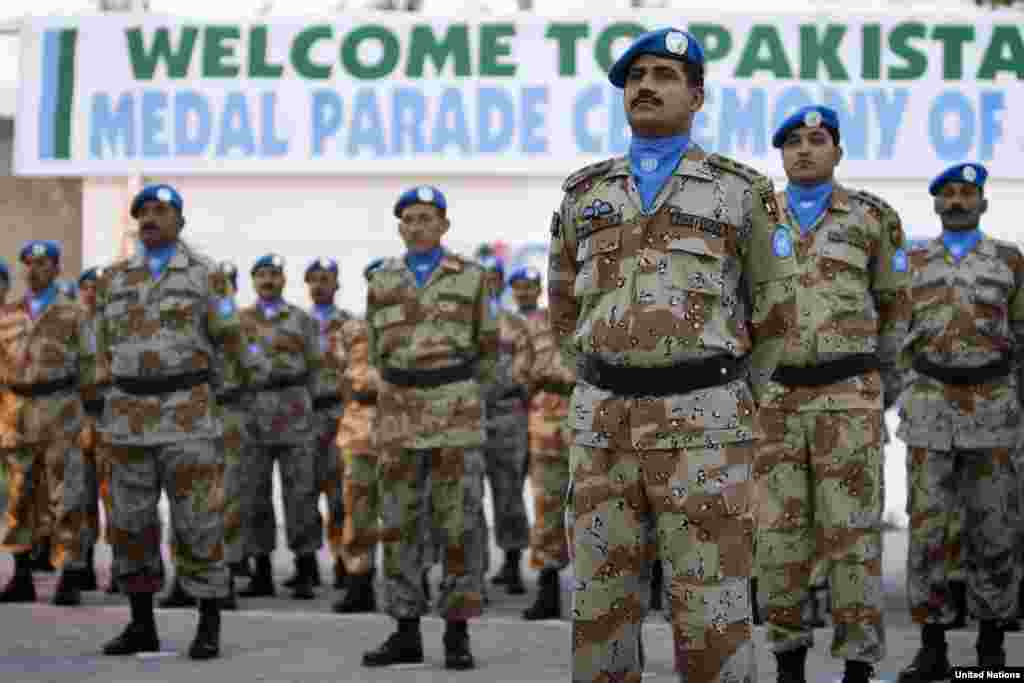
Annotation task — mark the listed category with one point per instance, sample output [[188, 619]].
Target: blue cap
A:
[[811, 117], [493, 264], [423, 194], [665, 42], [527, 273], [91, 275], [40, 248], [158, 193], [268, 261], [975, 174], [324, 263]]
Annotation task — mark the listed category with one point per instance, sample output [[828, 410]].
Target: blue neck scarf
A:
[[157, 259], [271, 307], [809, 202], [652, 161], [422, 265], [960, 243], [323, 312], [38, 303]]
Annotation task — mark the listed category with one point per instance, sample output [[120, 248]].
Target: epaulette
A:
[[872, 200], [1007, 247], [881, 211], [585, 173], [748, 173]]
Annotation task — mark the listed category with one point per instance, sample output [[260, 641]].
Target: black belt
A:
[[93, 407], [964, 376], [428, 379], [282, 383], [326, 402], [39, 389], [367, 398], [661, 381], [139, 386], [517, 392], [560, 388], [826, 373]]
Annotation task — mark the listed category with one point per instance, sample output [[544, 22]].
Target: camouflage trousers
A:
[[297, 466], [361, 531], [233, 443], [35, 491], [329, 476], [505, 456], [192, 475], [820, 496], [982, 487], [690, 510], [78, 530], [549, 477], [451, 479]]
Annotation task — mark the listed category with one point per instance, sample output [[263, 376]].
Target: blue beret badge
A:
[[899, 261], [782, 243]]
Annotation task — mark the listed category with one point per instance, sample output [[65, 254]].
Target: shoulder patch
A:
[[585, 173], [728, 165]]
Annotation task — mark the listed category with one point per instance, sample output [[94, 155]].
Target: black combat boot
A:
[[657, 586], [359, 598], [87, 577], [931, 663], [261, 585], [512, 576], [754, 609], [21, 587], [858, 672], [293, 581], [241, 569], [68, 592], [178, 597], [307, 572], [140, 635], [456, 646], [958, 595], [206, 644], [818, 597], [41, 557], [792, 666], [340, 574], [549, 598], [991, 654], [231, 601], [404, 646]]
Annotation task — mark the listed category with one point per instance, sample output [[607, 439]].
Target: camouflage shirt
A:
[[696, 277], [515, 356], [350, 347], [965, 314], [282, 348], [548, 366], [853, 298], [445, 322], [47, 349], [329, 378], [87, 333], [156, 329]]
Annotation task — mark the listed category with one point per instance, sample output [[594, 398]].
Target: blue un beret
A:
[[493, 264], [424, 194], [269, 261], [976, 174], [527, 273], [328, 265], [91, 275], [40, 248], [159, 193], [665, 42], [811, 117]]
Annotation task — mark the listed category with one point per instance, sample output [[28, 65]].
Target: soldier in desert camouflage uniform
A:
[[283, 348], [40, 417], [670, 287], [822, 413], [960, 416], [163, 317], [434, 342]]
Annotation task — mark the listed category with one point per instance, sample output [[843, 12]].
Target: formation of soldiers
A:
[[699, 413]]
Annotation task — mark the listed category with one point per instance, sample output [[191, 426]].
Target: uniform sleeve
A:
[[86, 358], [486, 335], [766, 252], [905, 358], [523, 360], [1016, 316], [104, 356], [890, 287], [563, 308], [225, 330], [372, 338], [359, 376], [314, 355]]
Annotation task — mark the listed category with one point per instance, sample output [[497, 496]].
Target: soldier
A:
[[960, 416], [670, 288], [356, 443], [819, 470], [40, 418], [163, 317], [283, 346], [505, 449], [550, 383], [434, 342]]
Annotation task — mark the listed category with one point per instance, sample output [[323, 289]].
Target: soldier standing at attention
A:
[[283, 347], [670, 285], [434, 343], [819, 469], [960, 416], [163, 317]]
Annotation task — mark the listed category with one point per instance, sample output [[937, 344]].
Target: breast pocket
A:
[[456, 307], [991, 296], [178, 313], [846, 265], [391, 321], [599, 257]]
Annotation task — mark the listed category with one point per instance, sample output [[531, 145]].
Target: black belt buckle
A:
[[40, 389], [141, 386]]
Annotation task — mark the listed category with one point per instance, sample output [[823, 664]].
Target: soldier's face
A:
[[526, 293], [494, 282], [322, 286], [658, 97], [87, 291], [268, 282], [960, 206], [159, 224], [422, 226], [810, 155], [40, 272]]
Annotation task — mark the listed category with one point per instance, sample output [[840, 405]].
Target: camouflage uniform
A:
[[39, 433], [693, 281], [431, 433], [962, 438], [157, 339], [285, 358]]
